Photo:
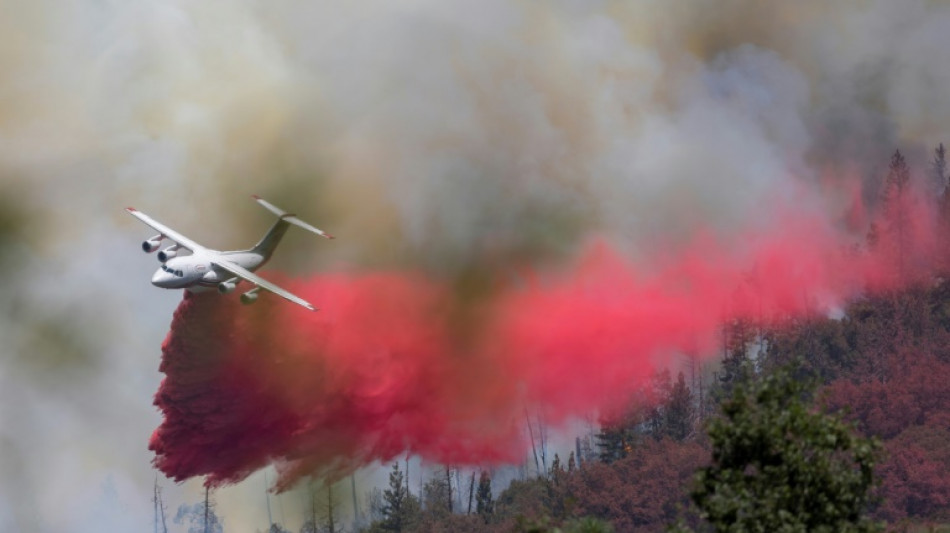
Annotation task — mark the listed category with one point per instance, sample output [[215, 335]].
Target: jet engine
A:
[[250, 296], [168, 253], [227, 286], [152, 244]]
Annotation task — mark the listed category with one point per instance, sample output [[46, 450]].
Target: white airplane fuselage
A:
[[196, 273], [204, 269]]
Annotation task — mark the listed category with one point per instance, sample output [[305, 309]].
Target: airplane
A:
[[206, 269]]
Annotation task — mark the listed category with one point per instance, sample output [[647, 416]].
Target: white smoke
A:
[[441, 135]]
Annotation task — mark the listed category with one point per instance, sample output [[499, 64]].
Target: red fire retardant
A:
[[395, 363]]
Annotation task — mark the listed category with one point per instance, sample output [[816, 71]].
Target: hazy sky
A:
[[432, 135]]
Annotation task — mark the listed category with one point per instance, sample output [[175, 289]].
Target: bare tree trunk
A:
[[155, 501], [331, 525], [534, 450], [696, 381], [702, 399], [448, 485], [542, 439], [159, 508], [313, 506], [471, 492], [207, 509], [270, 517], [356, 508]]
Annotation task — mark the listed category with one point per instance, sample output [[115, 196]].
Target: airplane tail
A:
[[272, 238]]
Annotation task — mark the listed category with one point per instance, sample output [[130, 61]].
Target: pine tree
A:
[[939, 167], [400, 509], [679, 411], [484, 503], [614, 441], [662, 386], [896, 211], [737, 367], [556, 472]]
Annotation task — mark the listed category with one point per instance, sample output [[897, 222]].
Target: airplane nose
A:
[[158, 278]]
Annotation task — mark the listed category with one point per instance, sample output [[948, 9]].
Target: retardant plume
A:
[[395, 363], [370, 376]]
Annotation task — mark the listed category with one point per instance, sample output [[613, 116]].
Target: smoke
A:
[[476, 148]]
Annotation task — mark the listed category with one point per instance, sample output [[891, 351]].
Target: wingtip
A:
[[130, 209], [327, 235], [256, 197]]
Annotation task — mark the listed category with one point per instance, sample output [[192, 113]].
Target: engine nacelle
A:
[[152, 244], [249, 297], [168, 253], [227, 286]]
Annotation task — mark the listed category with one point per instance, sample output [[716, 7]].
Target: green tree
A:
[[400, 508], [662, 388], [588, 525], [737, 367], [484, 503], [580, 525], [556, 472], [896, 204], [437, 495], [614, 440], [779, 466], [939, 167], [679, 411]]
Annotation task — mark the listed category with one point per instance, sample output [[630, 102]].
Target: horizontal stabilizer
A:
[[290, 217]]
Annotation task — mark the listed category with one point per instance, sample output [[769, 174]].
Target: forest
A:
[[870, 378]]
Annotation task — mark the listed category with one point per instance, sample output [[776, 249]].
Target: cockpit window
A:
[[168, 269]]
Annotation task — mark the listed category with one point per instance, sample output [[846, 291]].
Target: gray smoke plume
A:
[[446, 136]]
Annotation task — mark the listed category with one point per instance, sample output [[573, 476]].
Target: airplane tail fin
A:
[[273, 236]]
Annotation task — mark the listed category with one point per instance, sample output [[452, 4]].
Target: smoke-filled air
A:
[[537, 205]]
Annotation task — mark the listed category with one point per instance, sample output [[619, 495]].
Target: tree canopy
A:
[[779, 466]]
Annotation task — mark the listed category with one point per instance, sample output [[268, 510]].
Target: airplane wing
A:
[[247, 275], [166, 232]]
